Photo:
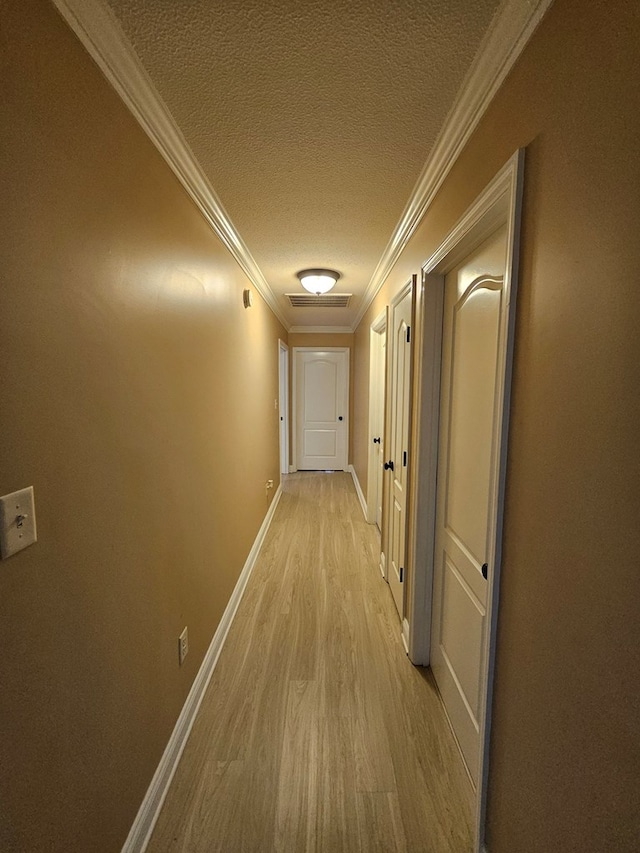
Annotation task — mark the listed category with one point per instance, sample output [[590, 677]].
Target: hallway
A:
[[316, 733]]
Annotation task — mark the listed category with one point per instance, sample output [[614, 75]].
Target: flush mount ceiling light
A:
[[318, 281]]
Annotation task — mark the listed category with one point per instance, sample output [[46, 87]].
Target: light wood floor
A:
[[316, 732]]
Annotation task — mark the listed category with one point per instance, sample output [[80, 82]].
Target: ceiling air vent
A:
[[326, 300]]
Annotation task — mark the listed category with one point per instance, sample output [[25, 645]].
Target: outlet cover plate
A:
[[183, 645], [17, 521]]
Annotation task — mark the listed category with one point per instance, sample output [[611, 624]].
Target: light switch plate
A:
[[17, 521]]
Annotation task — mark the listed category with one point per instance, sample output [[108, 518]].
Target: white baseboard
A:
[[361, 497], [383, 565], [144, 823], [405, 635]]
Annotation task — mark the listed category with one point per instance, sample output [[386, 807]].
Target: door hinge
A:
[[404, 459], [408, 334], [401, 574]]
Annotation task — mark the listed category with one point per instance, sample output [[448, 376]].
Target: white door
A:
[[322, 409], [379, 355], [469, 437], [283, 405], [397, 450]]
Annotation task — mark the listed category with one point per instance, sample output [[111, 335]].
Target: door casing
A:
[[377, 391], [283, 405], [499, 204], [294, 410]]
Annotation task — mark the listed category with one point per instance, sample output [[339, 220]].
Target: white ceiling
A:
[[312, 121]]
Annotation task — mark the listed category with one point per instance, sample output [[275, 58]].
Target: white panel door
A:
[[379, 354], [469, 439], [322, 408], [397, 451], [283, 406]]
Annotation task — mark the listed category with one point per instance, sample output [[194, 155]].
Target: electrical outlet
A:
[[183, 645], [269, 486]]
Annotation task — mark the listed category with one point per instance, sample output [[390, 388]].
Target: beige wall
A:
[[319, 340], [565, 756], [137, 398], [131, 374]]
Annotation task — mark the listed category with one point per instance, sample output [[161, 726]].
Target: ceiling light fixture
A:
[[317, 280]]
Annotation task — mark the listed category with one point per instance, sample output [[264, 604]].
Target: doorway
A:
[[283, 405], [469, 437], [467, 303], [321, 408]]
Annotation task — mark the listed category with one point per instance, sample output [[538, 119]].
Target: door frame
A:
[[499, 204], [376, 377], [283, 405], [294, 401]]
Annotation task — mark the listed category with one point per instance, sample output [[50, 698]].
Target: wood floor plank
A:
[[374, 764], [298, 779], [316, 733], [336, 826], [380, 824], [209, 825]]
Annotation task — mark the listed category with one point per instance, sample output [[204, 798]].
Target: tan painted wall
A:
[[565, 757], [325, 339], [137, 397], [360, 414], [319, 339]]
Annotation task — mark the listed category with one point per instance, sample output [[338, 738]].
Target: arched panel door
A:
[[470, 422], [322, 409]]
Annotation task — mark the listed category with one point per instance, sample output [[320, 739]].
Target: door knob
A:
[[388, 466], [340, 418], [485, 570], [376, 441]]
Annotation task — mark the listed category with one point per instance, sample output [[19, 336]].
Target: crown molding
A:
[[513, 25], [324, 330], [99, 31]]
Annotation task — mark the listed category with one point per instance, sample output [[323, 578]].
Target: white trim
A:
[[500, 203], [486, 213], [294, 400], [356, 483], [324, 330], [506, 38], [99, 31], [376, 378], [383, 565], [512, 178], [96, 26], [149, 810], [405, 635], [424, 446], [283, 406]]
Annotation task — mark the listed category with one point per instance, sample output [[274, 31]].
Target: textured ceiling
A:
[[312, 120]]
